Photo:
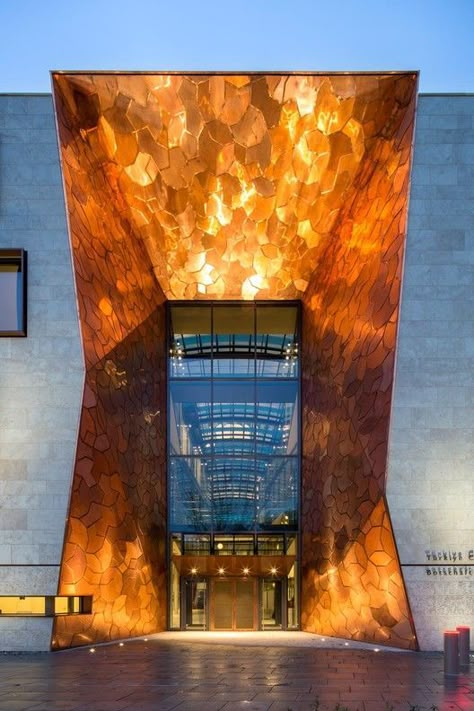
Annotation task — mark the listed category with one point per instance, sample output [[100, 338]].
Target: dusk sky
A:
[[434, 36]]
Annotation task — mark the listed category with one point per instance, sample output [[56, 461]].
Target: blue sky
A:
[[434, 36]]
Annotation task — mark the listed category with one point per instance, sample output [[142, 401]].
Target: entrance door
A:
[[234, 604]]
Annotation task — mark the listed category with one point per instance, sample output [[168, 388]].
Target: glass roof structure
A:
[[233, 424]]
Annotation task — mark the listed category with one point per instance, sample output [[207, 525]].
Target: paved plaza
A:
[[188, 672]]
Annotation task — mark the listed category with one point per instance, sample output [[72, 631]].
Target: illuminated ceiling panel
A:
[[234, 183]]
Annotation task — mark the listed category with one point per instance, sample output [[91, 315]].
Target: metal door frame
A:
[[183, 608]]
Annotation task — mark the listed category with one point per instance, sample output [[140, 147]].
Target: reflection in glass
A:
[[271, 545], [233, 481], [271, 604], [277, 417], [278, 492], [190, 500], [233, 434], [277, 342], [292, 598], [244, 545], [234, 334], [233, 418], [189, 421], [224, 545], [190, 342], [197, 545], [13, 292], [175, 598], [196, 601]]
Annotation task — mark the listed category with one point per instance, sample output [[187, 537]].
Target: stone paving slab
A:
[[187, 675]]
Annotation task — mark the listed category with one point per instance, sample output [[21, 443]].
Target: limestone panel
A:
[[439, 601], [41, 376], [431, 472], [24, 634]]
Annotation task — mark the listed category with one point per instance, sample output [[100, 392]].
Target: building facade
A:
[[244, 398]]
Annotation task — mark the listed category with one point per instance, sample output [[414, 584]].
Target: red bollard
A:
[[451, 652], [464, 645]]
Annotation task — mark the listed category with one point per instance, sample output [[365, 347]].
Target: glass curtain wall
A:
[[233, 417]]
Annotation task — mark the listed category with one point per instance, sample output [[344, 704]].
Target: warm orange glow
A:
[[211, 169], [235, 187]]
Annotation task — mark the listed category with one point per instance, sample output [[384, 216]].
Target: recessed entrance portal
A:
[[234, 463]]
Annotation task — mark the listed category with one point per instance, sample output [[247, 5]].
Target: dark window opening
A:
[[12, 292]]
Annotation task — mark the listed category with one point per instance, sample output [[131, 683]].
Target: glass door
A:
[[271, 611], [196, 604]]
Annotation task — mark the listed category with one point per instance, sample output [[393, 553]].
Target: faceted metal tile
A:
[[238, 187], [234, 184]]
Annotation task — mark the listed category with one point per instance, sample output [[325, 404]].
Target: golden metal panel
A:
[[238, 186], [234, 183]]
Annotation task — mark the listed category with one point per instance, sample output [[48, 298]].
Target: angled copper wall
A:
[[116, 531], [351, 578], [238, 186]]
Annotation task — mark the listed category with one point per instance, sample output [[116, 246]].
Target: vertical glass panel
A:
[[234, 341], [233, 421], [190, 341], [277, 341], [22, 605], [197, 545], [175, 598], [244, 545], [190, 496], [278, 493], [277, 417], [196, 603], [223, 545], [61, 605], [271, 604], [176, 544], [271, 545], [233, 482], [292, 545], [189, 420], [11, 295], [292, 594]]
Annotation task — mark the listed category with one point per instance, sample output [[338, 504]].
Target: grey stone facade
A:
[[41, 376], [431, 455]]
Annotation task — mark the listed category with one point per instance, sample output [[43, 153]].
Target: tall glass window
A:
[[234, 440]]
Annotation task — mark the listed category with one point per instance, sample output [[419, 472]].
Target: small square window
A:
[[12, 292]]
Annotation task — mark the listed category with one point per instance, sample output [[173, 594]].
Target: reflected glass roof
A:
[[234, 405]]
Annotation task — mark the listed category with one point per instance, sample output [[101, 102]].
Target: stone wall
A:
[[431, 455], [41, 376], [431, 472]]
